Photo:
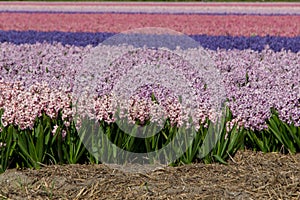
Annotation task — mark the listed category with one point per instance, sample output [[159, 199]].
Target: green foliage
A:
[[219, 145], [8, 147], [34, 144], [40, 145], [287, 134], [230, 141], [278, 137]]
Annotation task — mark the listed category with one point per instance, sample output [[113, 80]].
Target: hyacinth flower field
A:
[[90, 88]]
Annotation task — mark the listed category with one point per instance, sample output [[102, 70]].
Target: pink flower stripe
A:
[[152, 4], [221, 8], [234, 25]]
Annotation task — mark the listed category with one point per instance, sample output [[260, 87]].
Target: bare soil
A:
[[249, 175]]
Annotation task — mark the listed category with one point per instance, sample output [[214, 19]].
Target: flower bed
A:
[[41, 55], [233, 25]]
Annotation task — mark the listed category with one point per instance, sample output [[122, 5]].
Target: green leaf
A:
[[27, 150], [39, 147], [220, 159]]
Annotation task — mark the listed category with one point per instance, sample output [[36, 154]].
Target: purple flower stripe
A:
[[256, 43]]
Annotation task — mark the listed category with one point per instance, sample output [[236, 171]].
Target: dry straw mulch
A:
[[249, 175]]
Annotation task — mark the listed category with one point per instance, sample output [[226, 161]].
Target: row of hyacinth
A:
[[254, 82], [156, 7], [193, 24], [257, 43]]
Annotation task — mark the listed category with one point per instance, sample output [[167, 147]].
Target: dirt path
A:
[[249, 175]]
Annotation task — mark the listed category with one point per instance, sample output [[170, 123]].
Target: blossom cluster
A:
[[23, 105], [55, 64], [255, 82], [138, 76]]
